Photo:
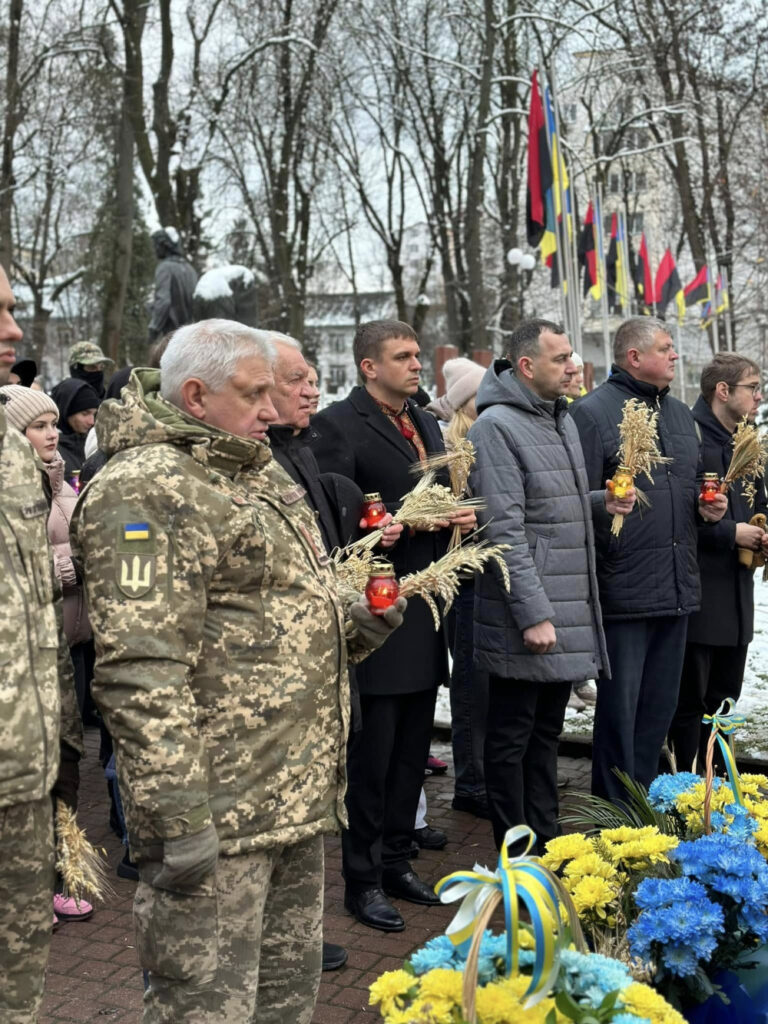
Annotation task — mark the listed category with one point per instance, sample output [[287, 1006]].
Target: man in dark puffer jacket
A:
[[545, 633], [649, 576], [719, 634]]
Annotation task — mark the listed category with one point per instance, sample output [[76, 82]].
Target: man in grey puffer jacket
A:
[[546, 633]]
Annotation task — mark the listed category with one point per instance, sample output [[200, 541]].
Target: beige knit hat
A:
[[462, 379], [22, 405]]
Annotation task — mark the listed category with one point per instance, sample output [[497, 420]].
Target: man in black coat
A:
[[719, 634], [375, 436], [648, 575]]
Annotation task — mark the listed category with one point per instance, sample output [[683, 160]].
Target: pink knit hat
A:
[[462, 379], [22, 405]]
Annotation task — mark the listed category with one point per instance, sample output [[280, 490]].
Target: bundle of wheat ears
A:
[[639, 448], [458, 459], [750, 454], [424, 508], [440, 579], [82, 868]]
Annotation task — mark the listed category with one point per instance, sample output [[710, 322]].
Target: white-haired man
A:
[[221, 674]]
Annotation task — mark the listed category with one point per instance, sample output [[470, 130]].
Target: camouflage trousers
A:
[[26, 896], [245, 948]]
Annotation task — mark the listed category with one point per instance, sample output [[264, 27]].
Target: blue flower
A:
[[665, 789], [629, 1018], [677, 917], [439, 952], [591, 976]]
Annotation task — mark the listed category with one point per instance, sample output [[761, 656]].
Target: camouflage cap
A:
[[86, 353]]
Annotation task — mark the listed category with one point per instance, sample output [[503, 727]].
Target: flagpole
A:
[[558, 253], [626, 298], [681, 360], [712, 310], [649, 235], [726, 311], [572, 291], [602, 276]]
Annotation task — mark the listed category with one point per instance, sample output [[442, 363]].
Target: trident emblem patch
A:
[[135, 574]]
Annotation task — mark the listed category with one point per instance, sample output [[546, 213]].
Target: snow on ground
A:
[[751, 739]]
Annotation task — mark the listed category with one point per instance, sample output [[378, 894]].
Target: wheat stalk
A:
[[443, 577], [426, 507], [750, 453], [80, 865], [639, 447]]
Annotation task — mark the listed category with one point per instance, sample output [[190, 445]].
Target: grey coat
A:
[[530, 472]]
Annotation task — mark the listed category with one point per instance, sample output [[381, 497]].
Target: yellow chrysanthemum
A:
[[500, 1003], [442, 984], [391, 990], [428, 1011], [590, 864], [525, 939], [636, 847], [592, 895], [565, 848], [646, 1002]]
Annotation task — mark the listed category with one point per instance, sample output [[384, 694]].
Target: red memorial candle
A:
[[373, 510], [381, 590], [710, 487]]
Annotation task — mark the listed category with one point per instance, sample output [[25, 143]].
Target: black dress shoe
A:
[[371, 907], [472, 806], [409, 887], [413, 850], [334, 956], [430, 838]]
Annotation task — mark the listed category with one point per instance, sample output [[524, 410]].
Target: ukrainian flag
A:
[[136, 531]]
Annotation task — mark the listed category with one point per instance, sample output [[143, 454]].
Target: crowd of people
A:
[[248, 709]]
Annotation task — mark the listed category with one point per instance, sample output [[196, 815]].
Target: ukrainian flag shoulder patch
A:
[[135, 531]]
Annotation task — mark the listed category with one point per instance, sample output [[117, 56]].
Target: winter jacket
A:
[[62, 501], [38, 712], [175, 280], [71, 445], [220, 638], [727, 599], [650, 569], [529, 470]]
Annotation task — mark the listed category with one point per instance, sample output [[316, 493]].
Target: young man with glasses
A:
[[720, 632]]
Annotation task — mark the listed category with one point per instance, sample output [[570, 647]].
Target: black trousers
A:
[[636, 705], [524, 724], [385, 764], [710, 674]]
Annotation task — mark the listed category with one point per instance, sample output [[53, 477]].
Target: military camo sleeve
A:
[[147, 564]]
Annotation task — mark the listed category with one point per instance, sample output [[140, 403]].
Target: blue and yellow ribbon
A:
[[724, 722], [523, 878]]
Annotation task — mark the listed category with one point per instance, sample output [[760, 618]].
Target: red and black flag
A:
[[643, 276], [587, 254], [669, 286], [540, 213], [698, 290]]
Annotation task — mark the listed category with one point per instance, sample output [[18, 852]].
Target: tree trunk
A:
[[473, 214], [117, 284], [12, 121], [40, 318]]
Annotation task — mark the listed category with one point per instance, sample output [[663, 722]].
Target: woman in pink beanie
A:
[[35, 415], [469, 686]]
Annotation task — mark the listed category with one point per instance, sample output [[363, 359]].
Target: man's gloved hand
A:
[[188, 859], [374, 629]]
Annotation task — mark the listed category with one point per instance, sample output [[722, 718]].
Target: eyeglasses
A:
[[754, 388]]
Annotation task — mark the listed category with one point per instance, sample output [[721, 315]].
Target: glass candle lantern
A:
[[622, 481], [381, 590], [710, 487], [75, 481], [373, 510]]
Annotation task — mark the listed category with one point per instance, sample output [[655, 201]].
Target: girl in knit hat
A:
[[35, 415], [469, 686]]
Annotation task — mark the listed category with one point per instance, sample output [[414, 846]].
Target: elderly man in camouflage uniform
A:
[[221, 673], [40, 733]]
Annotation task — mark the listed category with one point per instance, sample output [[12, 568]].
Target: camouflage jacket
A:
[[220, 639], [37, 695]]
